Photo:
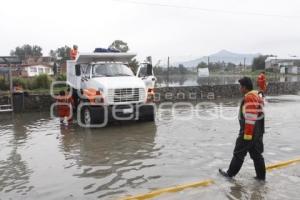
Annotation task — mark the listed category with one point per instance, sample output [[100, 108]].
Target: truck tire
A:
[[86, 117], [92, 115], [149, 118], [146, 113]]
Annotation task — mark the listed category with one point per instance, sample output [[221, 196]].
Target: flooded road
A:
[[39, 159]]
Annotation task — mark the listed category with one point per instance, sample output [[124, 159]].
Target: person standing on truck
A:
[[74, 52], [262, 83], [64, 106], [250, 138]]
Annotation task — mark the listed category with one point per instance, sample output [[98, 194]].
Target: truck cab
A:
[[106, 89]]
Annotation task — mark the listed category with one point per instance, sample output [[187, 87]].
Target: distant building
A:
[[203, 72], [32, 66], [35, 70], [284, 65], [44, 60], [27, 70]]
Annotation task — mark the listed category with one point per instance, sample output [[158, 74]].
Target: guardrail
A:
[[6, 108]]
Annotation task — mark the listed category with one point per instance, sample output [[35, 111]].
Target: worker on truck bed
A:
[[64, 106], [262, 83], [250, 138], [74, 52]]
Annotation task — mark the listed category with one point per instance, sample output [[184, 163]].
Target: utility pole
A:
[[11, 87], [208, 68], [168, 71], [244, 65]]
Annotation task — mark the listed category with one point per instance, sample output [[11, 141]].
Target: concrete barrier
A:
[[206, 92], [43, 102]]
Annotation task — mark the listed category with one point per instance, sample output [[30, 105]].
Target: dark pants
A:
[[76, 100], [255, 149]]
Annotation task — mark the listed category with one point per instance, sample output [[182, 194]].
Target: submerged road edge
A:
[[203, 183], [170, 189], [282, 164]]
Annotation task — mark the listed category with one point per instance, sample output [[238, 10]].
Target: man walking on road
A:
[[250, 138]]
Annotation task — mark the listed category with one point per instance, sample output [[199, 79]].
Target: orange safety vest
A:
[[64, 110], [261, 82], [252, 110], [73, 53]]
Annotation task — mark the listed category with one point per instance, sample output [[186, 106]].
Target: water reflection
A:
[[112, 156], [14, 170], [252, 191]]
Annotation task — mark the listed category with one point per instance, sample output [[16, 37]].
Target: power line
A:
[[208, 9]]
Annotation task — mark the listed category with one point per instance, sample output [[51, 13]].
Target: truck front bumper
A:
[[102, 114]]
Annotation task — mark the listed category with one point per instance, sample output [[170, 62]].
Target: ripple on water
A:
[[286, 149]]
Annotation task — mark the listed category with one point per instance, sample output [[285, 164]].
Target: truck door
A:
[[145, 72]]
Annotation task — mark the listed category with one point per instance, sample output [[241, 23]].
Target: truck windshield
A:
[[111, 69]]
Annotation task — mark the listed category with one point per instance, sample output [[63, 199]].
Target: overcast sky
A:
[[181, 29]]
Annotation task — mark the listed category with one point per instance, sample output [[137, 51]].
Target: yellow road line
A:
[[204, 183], [282, 164], [170, 189]]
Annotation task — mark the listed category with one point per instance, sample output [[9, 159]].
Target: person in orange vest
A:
[[262, 83], [74, 52], [250, 138], [64, 106]]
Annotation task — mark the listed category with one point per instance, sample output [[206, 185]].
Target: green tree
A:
[[62, 54], [230, 67], [202, 65], [27, 51], [52, 54], [297, 63], [119, 45], [182, 69], [259, 62]]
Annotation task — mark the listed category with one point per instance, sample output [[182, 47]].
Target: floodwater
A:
[[194, 80], [39, 159]]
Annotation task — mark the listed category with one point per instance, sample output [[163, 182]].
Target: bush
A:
[[41, 81], [3, 85], [20, 81], [61, 77], [30, 84]]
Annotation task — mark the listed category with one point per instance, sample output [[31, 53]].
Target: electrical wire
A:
[[207, 9]]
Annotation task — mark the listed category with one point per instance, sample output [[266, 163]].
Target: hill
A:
[[222, 56]]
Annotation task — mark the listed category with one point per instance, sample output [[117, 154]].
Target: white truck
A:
[[105, 89]]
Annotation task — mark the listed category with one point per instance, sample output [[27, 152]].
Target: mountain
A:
[[222, 56]]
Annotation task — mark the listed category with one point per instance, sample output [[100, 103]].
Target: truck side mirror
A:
[[149, 70], [77, 70]]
